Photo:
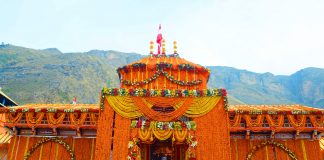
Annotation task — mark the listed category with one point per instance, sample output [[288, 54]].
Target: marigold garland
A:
[[52, 121], [34, 118], [299, 122], [255, 148]]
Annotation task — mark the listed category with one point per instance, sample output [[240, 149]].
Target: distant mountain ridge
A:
[[50, 76]]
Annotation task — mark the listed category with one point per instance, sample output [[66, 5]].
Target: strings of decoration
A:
[[191, 151], [52, 139], [54, 119], [255, 148], [133, 150], [140, 92], [277, 112], [177, 125], [159, 66], [157, 73]]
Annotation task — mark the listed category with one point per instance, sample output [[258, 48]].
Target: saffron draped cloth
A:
[[133, 107]]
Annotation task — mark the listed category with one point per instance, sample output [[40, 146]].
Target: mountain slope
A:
[[50, 76]]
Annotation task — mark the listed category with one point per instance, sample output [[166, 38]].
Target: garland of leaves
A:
[[178, 125], [157, 73], [255, 148], [53, 139]]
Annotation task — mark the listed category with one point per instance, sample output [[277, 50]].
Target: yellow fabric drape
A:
[[147, 135], [134, 107], [124, 106], [201, 106]]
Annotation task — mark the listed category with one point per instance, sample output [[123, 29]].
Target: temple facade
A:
[[163, 110]]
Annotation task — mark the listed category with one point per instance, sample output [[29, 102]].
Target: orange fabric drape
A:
[[104, 133], [121, 138], [161, 116], [213, 134]]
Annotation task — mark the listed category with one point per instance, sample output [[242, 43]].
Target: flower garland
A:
[[192, 143], [53, 139], [163, 92], [255, 148], [178, 125], [50, 110], [157, 73], [133, 149]]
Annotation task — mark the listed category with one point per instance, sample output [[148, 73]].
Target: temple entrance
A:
[[163, 150]]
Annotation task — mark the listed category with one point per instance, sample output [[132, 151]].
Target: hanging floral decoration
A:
[[158, 73], [52, 139], [139, 92], [192, 145], [178, 125], [255, 148]]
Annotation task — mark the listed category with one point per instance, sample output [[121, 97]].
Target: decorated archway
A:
[[284, 148], [51, 139], [169, 139]]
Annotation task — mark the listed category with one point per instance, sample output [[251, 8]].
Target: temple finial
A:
[[163, 46], [151, 47], [175, 47]]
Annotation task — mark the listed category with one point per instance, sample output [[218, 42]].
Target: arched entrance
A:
[[282, 147], [163, 150], [45, 140]]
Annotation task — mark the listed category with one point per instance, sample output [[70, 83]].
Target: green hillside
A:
[[50, 76]]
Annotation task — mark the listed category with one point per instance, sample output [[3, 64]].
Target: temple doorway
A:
[[163, 150]]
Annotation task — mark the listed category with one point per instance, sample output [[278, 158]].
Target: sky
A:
[[277, 36]]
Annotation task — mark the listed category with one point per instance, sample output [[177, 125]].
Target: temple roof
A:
[[242, 109], [152, 61], [275, 109], [53, 108]]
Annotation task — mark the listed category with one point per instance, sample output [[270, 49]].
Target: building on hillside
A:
[[5, 133], [163, 110], [6, 101]]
